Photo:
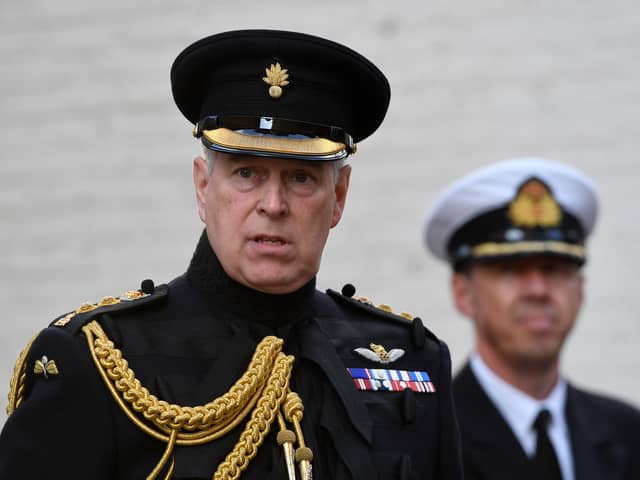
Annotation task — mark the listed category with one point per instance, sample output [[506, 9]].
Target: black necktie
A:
[[545, 461]]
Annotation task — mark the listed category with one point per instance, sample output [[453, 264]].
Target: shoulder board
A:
[[419, 331], [366, 304], [130, 301]]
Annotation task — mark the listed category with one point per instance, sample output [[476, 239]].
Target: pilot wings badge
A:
[[377, 353]]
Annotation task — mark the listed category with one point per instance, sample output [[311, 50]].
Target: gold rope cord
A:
[[261, 419], [265, 383], [16, 384]]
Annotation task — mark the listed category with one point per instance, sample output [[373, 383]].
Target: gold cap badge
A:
[[534, 206], [277, 77]]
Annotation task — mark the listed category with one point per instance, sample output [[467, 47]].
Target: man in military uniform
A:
[[240, 367], [514, 234]]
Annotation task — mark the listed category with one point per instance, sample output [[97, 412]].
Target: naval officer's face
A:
[[268, 219], [523, 309]]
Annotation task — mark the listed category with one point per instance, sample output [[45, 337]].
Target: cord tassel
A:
[[304, 456], [293, 411], [285, 439]]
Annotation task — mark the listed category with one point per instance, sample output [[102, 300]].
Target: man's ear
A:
[[462, 294], [341, 189], [200, 182]]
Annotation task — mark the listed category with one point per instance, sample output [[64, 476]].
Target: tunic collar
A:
[[276, 313]]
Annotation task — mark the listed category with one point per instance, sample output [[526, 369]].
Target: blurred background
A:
[[95, 176]]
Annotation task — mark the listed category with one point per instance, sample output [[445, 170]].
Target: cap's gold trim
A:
[[277, 77], [534, 206], [492, 249], [266, 143]]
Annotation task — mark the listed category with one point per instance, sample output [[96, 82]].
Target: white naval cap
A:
[[522, 206]]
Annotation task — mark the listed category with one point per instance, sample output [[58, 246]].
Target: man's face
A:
[[268, 219], [523, 309]]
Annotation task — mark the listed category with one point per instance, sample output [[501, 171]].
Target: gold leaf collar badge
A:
[[45, 367], [277, 77]]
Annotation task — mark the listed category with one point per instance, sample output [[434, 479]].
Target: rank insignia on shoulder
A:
[[348, 295], [377, 353], [147, 291], [45, 367], [385, 380]]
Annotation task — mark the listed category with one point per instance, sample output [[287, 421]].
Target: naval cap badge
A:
[[534, 206]]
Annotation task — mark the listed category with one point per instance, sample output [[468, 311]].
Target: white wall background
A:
[[95, 174]]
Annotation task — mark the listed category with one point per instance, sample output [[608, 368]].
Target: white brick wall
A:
[[95, 187]]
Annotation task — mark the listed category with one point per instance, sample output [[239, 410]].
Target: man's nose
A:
[[273, 199], [536, 282]]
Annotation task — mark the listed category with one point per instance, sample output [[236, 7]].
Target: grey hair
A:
[[210, 156]]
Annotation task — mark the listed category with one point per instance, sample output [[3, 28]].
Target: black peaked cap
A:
[[329, 84]]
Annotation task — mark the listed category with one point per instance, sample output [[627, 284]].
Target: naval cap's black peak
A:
[[330, 84]]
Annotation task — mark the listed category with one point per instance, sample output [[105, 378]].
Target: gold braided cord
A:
[[16, 384], [260, 423], [212, 418], [264, 385]]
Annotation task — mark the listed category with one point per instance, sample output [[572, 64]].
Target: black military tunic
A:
[[189, 341]]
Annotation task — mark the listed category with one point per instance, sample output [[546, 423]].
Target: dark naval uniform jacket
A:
[[189, 341], [604, 436]]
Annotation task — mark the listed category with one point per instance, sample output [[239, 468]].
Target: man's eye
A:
[[301, 177], [245, 172]]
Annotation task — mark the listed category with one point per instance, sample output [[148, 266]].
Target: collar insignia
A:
[[377, 353], [277, 77], [534, 206], [45, 367]]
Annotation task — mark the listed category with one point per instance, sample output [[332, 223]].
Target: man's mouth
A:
[[269, 240]]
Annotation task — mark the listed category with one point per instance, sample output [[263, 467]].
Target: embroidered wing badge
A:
[[377, 353]]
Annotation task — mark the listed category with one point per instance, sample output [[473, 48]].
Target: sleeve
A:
[[450, 442], [62, 428]]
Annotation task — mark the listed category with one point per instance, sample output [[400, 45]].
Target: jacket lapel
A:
[[490, 449], [596, 452], [317, 348]]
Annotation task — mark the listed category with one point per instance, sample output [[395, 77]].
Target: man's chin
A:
[[276, 283], [538, 360]]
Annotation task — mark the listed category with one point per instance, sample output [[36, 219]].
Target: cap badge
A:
[[277, 77], [45, 367], [377, 353], [534, 206]]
